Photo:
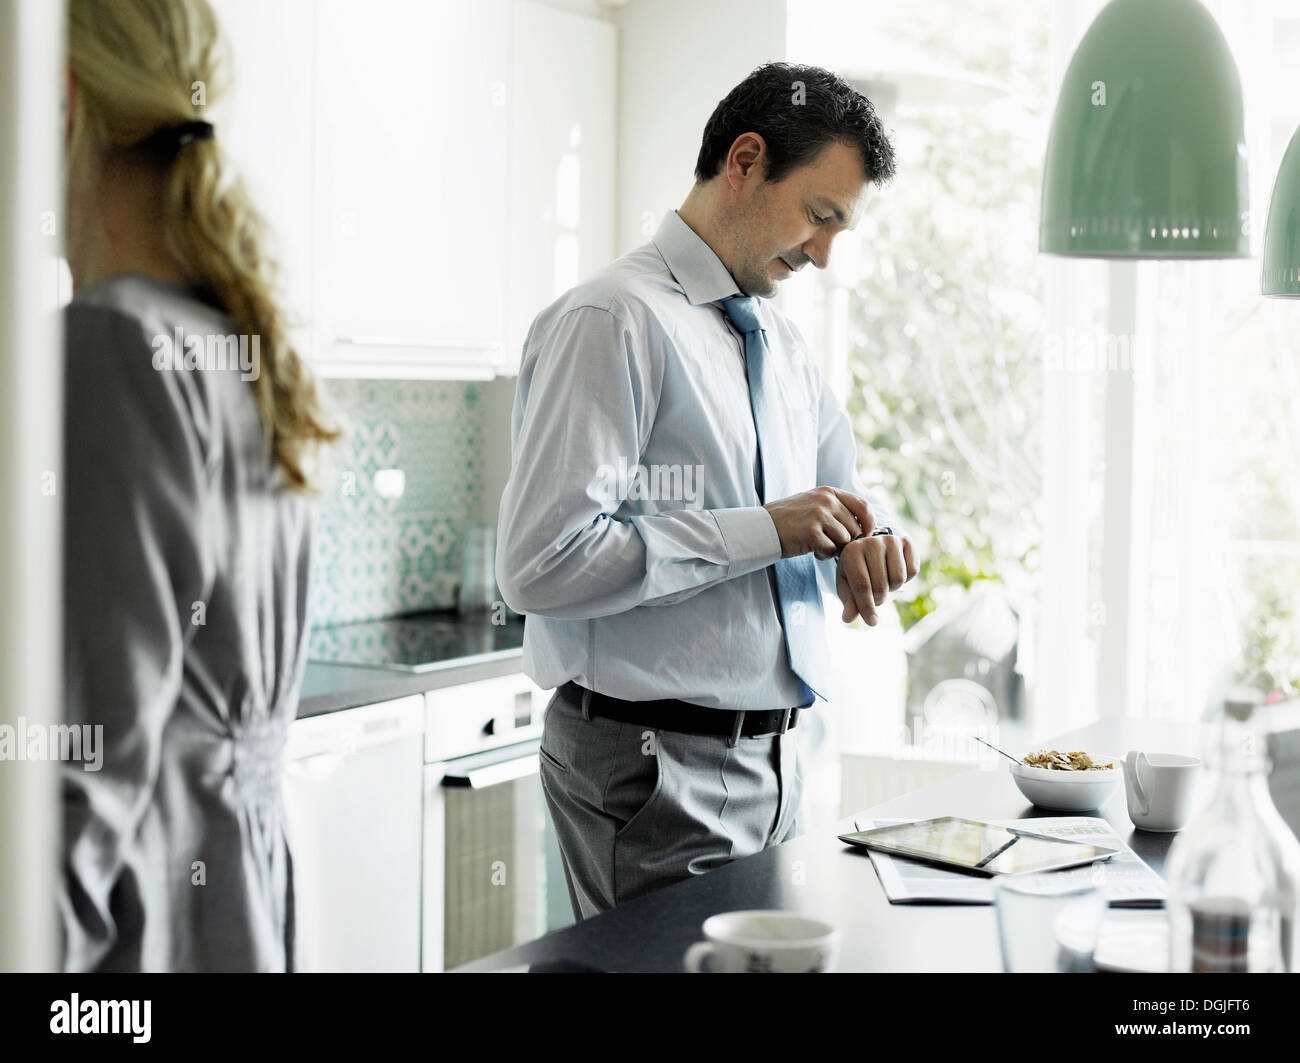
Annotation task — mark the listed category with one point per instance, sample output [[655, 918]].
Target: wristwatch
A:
[[879, 531]]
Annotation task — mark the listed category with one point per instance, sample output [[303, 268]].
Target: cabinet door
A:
[[562, 152], [411, 140], [265, 124]]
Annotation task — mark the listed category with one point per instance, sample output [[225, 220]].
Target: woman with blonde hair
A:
[[192, 433]]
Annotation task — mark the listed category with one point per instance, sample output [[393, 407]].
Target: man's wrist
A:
[[885, 530]]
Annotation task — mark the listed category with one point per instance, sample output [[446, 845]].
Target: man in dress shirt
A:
[[679, 463]]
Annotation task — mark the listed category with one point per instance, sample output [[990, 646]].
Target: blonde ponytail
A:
[[140, 66]]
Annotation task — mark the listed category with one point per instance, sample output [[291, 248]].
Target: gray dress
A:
[[186, 599]]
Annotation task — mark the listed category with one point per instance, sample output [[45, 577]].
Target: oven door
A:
[[492, 872]]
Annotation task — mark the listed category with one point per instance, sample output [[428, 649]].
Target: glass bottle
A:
[[1234, 871]]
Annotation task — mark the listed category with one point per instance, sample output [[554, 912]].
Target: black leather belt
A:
[[674, 715]]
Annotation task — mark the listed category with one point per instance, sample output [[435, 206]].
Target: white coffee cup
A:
[[1160, 788], [764, 942]]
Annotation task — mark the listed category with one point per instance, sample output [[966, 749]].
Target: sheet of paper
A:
[[1130, 883]]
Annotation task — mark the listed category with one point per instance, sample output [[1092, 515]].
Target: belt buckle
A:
[[785, 720]]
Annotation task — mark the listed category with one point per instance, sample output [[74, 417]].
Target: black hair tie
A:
[[170, 139], [187, 131]]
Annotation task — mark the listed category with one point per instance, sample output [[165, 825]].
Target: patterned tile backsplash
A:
[[378, 557]]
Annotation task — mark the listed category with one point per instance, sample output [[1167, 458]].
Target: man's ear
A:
[[747, 156]]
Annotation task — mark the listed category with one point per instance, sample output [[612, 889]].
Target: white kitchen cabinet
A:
[[411, 151], [562, 140], [435, 172], [265, 124]]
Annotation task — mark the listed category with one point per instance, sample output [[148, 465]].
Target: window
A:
[[1109, 448]]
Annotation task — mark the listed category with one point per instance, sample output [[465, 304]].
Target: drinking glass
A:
[[1048, 921]]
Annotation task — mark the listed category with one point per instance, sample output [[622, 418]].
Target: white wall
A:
[[30, 632], [677, 60]]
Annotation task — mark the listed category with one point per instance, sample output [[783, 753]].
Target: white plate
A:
[[1133, 943]]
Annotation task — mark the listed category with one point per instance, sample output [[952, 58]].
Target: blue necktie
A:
[[798, 596]]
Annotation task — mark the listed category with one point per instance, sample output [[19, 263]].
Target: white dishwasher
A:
[[353, 785]]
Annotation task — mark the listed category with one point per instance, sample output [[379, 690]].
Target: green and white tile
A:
[[379, 557]]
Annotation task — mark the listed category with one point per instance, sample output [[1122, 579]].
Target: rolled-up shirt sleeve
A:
[[136, 560], [837, 455], [586, 401]]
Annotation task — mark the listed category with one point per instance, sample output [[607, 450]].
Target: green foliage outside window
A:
[[945, 326]]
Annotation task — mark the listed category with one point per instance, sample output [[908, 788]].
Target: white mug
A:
[[1159, 788], [764, 942]]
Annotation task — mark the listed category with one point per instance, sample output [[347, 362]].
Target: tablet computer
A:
[[982, 848]]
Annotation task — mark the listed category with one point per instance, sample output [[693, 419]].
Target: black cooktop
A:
[[416, 643]]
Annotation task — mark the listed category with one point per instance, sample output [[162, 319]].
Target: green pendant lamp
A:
[[1280, 273], [1147, 153]]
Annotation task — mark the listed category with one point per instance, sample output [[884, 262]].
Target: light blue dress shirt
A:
[[631, 531]]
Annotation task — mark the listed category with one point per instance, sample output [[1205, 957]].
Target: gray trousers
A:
[[637, 808]]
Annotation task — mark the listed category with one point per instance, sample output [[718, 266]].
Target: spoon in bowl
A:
[[996, 750]]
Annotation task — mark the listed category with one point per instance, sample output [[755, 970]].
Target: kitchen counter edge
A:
[[335, 687]]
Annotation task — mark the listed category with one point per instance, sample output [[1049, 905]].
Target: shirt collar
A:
[[693, 263]]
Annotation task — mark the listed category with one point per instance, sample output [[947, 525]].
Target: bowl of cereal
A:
[[1066, 782]]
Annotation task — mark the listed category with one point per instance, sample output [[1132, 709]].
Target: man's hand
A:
[[866, 568], [820, 521]]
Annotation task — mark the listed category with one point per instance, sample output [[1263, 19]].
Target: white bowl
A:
[[1067, 791]]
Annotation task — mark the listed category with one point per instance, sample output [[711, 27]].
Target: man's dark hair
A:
[[796, 123]]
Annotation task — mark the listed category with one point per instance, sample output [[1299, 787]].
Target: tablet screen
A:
[[982, 847]]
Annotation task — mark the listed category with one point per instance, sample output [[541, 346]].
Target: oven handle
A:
[[478, 773]]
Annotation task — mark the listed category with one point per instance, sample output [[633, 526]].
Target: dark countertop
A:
[[330, 687], [820, 875]]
